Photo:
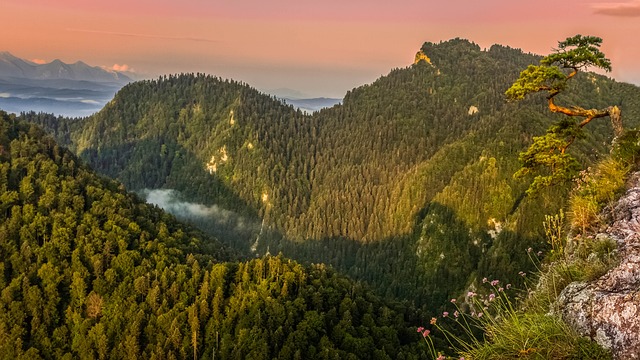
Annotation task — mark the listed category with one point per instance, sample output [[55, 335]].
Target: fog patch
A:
[[228, 226], [169, 201]]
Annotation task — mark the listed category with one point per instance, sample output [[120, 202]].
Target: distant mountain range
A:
[[78, 89], [305, 102], [74, 89], [313, 104], [15, 67]]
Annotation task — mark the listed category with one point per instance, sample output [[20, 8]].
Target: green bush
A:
[[595, 189]]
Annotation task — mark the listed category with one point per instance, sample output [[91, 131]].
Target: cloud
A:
[[123, 67], [222, 223], [119, 68], [38, 61], [625, 9], [169, 200], [5, 95], [147, 36]]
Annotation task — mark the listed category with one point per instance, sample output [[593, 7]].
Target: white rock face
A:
[[608, 309]]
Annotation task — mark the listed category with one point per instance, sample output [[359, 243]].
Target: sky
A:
[[320, 48]]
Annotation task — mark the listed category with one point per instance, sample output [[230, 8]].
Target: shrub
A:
[[596, 188]]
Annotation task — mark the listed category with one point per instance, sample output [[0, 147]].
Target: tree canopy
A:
[[89, 271]]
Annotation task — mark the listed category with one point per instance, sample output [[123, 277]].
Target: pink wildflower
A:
[[433, 321], [441, 357], [453, 301], [456, 313], [494, 282], [480, 315], [471, 294], [426, 333], [492, 296], [445, 314], [420, 329], [484, 280], [508, 286], [500, 289]]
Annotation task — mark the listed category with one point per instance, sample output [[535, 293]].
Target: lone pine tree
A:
[[547, 154]]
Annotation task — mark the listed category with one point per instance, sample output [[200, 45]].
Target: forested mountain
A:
[[90, 271], [407, 184]]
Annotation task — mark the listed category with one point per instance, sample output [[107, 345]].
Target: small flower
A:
[[433, 321], [462, 358], [480, 315], [529, 250], [420, 329], [508, 286], [471, 294], [539, 253], [426, 333], [441, 357], [484, 280], [456, 314], [453, 301], [522, 273], [492, 296], [494, 282], [500, 289], [445, 314]]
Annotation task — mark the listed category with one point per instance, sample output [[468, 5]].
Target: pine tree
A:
[[547, 155]]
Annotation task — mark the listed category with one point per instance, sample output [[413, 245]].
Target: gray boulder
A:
[[608, 309]]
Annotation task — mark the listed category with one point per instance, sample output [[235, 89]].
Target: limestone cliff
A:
[[608, 309], [420, 56]]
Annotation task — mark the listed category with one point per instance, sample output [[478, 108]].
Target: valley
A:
[[401, 170]]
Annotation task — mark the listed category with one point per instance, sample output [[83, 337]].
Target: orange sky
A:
[[320, 48]]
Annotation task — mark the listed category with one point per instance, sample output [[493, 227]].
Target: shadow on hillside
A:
[[435, 263]]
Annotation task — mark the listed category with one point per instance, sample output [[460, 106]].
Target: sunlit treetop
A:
[[578, 52], [575, 53]]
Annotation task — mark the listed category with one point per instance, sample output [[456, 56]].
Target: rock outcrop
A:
[[421, 56], [608, 309]]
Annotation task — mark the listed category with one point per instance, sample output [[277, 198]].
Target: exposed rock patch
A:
[[421, 56], [608, 309]]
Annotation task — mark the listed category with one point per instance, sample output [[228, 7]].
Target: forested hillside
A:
[[407, 185], [90, 271]]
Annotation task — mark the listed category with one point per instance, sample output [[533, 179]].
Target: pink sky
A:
[[320, 48]]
